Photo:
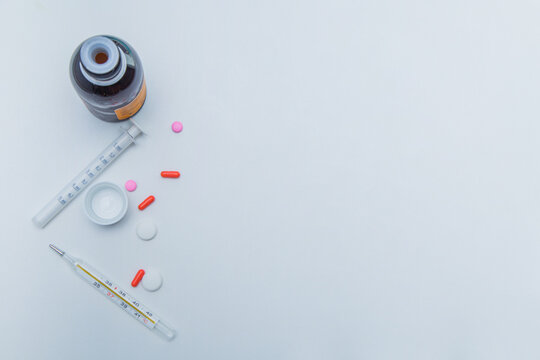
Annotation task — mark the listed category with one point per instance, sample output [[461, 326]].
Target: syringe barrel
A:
[[85, 177]]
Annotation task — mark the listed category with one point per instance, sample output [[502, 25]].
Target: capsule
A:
[[170, 174], [138, 277], [146, 202]]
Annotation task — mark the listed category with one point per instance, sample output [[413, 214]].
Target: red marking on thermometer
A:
[[146, 202], [138, 277], [170, 174]]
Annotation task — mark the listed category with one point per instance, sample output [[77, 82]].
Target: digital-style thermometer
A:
[[114, 293]]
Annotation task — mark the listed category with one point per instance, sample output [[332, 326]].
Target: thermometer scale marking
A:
[[123, 300]]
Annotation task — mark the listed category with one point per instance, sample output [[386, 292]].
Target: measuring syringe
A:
[[114, 293], [85, 177]]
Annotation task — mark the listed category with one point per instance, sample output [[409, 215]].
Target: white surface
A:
[[146, 229], [360, 180], [152, 280]]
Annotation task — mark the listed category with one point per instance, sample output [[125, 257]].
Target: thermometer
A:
[[114, 293]]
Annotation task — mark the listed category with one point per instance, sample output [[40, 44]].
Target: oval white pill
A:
[[146, 230], [152, 280]]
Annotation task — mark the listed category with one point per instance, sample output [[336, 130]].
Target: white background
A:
[[360, 180]]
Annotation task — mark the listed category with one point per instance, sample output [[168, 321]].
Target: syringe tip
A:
[[60, 252]]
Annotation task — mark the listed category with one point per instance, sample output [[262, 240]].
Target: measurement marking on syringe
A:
[[115, 293]]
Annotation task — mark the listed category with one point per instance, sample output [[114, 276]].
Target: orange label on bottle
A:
[[131, 109]]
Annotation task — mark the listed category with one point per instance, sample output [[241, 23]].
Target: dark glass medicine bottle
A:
[[108, 76]]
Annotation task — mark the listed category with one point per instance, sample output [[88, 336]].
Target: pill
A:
[[152, 280], [170, 174], [146, 202], [130, 185], [146, 230], [177, 126], [138, 277]]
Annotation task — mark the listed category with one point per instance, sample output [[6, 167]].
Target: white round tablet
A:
[[152, 280], [146, 229]]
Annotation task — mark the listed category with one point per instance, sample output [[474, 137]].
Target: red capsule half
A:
[[138, 277], [170, 174], [146, 202]]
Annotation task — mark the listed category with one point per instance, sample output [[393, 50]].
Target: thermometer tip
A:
[[60, 252]]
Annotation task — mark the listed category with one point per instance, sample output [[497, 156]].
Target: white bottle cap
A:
[[99, 55], [105, 203]]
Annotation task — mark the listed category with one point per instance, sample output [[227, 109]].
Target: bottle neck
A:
[[101, 61], [108, 78]]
